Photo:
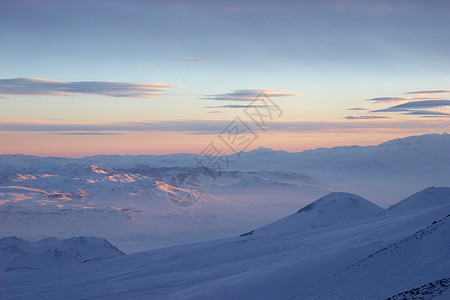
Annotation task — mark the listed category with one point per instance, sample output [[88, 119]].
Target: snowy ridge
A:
[[18, 254], [413, 261], [429, 197], [405, 243], [427, 291]]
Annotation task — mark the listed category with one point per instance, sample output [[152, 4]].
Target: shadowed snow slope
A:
[[18, 254], [432, 290], [429, 197], [331, 209], [421, 258]]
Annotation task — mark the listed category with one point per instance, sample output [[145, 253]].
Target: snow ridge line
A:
[[418, 235]]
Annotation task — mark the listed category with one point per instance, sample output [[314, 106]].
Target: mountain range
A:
[[157, 201]]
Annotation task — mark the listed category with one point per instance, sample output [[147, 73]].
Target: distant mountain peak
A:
[[262, 149], [427, 198]]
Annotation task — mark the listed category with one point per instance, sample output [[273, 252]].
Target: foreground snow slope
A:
[[411, 262], [365, 258]]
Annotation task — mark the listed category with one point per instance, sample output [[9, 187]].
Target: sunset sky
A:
[[82, 77]]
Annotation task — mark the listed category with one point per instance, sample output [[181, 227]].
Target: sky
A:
[[80, 78]]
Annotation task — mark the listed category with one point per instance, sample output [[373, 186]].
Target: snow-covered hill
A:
[[328, 210], [429, 197], [20, 255], [374, 256]]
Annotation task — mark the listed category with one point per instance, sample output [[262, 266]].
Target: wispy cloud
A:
[[36, 86], [401, 99], [238, 106], [388, 99], [366, 117], [217, 126], [359, 108], [250, 95], [86, 133], [429, 92], [427, 113], [415, 105], [190, 59]]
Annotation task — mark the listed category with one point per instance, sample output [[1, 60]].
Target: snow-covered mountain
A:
[[20, 255], [373, 256]]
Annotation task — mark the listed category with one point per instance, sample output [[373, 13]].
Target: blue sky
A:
[[69, 64]]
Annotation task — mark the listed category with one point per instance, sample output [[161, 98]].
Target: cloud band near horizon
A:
[[212, 126]]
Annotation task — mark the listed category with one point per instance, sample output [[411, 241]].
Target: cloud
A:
[[216, 112], [427, 113], [400, 99], [86, 133], [415, 105], [354, 6], [198, 60], [359, 108], [36, 86], [429, 92], [250, 95], [216, 126], [366, 117], [388, 99], [136, 126], [239, 106]]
